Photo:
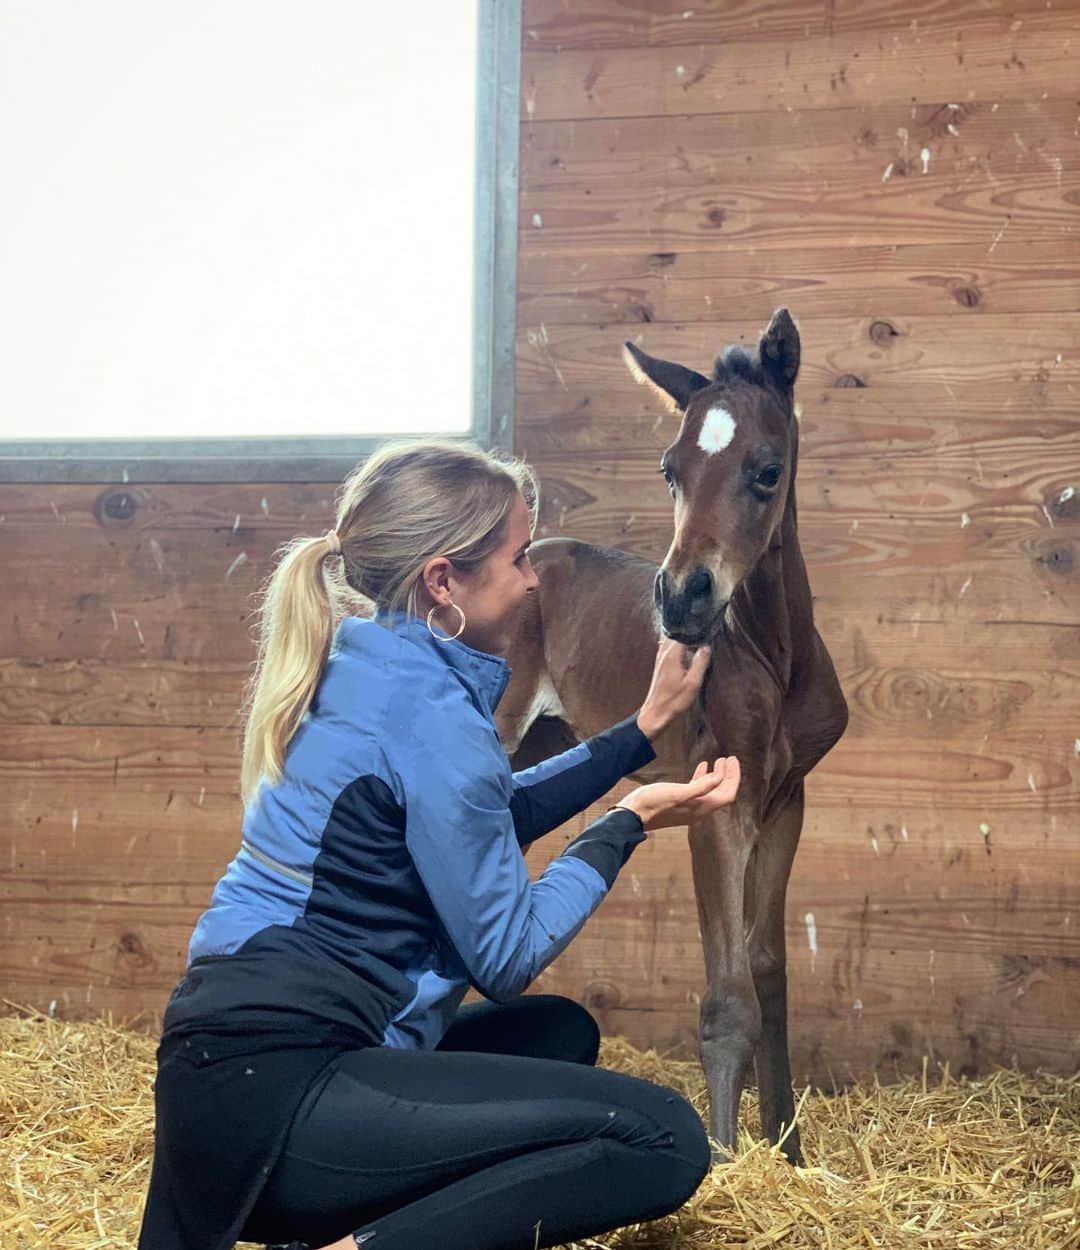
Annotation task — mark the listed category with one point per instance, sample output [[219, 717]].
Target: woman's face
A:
[[491, 595]]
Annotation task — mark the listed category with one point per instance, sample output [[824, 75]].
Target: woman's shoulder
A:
[[402, 691]]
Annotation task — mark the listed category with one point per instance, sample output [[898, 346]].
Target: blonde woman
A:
[[319, 1083]]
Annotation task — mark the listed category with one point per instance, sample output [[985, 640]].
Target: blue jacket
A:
[[387, 860]]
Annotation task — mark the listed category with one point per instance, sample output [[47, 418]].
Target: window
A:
[[249, 241]]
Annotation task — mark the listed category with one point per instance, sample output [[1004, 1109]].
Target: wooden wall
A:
[[686, 168], [906, 178]]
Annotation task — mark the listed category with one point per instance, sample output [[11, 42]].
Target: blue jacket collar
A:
[[485, 675]]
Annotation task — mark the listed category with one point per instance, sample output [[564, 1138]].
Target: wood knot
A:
[[116, 506], [968, 296], [662, 260], [134, 949], [716, 216], [601, 995], [850, 379], [1058, 558], [883, 332]]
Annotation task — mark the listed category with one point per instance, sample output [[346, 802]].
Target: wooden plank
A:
[[166, 571], [118, 958], [562, 25], [887, 350], [857, 69], [905, 281], [829, 149], [979, 778], [860, 510], [124, 753], [943, 705], [858, 640], [228, 510], [97, 692], [905, 439], [865, 213], [186, 595], [839, 420], [61, 833], [1012, 1010]]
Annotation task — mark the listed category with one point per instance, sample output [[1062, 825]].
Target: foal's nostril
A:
[[659, 589], [699, 584]]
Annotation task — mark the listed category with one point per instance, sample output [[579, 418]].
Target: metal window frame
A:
[[330, 458]]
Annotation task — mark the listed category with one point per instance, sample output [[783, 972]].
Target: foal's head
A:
[[729, 471]]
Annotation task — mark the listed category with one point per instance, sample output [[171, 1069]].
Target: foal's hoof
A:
[[725, 1154], [791, 1149]]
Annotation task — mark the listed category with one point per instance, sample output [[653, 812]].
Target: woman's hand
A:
[[676, 680], [668, 803]]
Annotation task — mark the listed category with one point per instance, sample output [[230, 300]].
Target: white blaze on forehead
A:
[[717, 430]]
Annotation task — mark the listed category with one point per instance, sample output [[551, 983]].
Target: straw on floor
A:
[[929, 1162]]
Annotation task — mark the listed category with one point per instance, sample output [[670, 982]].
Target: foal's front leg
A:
[[766, 894], [720, 846]]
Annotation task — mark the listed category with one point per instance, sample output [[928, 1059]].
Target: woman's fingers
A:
[[718, 786], [729, 787], [716, 771]]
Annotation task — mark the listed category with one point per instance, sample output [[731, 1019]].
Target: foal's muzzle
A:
[[687, 613]]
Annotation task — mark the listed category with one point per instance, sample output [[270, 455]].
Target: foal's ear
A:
[[779, 349], [674, 383]]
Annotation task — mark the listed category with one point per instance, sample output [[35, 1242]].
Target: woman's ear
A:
[[435, 579]]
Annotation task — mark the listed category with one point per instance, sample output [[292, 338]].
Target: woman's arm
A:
[[557, 789], [549, 794], [461, 837]]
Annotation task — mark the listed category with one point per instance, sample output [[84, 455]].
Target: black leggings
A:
[[504, 1136]]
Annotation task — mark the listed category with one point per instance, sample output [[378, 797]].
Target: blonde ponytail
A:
[[296, 624]]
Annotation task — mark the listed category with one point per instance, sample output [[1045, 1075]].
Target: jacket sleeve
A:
[[549, 794], [461, 838]]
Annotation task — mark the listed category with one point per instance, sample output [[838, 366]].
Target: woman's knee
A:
[[574, 1036], [582, 1033], [682, 1142], [690, 1143]]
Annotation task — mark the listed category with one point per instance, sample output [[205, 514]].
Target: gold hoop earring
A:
[[446, 637]]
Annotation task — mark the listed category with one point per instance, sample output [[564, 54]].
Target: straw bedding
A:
[[928, 1162]]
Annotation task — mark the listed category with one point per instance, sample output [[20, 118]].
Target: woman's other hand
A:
[[666, 804], [676, 680]]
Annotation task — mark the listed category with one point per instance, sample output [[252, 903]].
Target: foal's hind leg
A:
[[730, 1018], [766, 892]]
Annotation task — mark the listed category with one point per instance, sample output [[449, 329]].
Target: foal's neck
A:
[[771, 613]]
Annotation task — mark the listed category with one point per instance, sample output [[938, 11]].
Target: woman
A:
[[318, 1082]]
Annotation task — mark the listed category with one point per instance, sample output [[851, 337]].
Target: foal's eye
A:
[[669, 477], [769, 477]]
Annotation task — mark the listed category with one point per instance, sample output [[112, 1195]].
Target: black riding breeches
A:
[[505, 1136]]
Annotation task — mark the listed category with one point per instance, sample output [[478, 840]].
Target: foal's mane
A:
[[737, 364]]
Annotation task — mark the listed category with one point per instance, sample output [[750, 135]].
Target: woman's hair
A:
[[405, 504]]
